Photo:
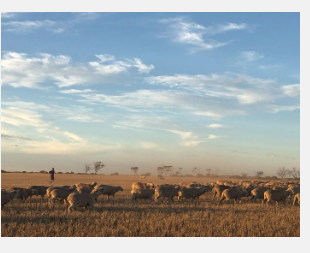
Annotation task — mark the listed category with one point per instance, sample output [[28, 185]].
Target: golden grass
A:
[[120, 216]]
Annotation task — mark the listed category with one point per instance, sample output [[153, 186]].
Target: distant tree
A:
[[3, 171], [168, 169], [160, 170], [244, 174], [43, 171], [282, 172], [259, 173], [98, 166], [195, 170], [87, 168], [134, 170], [295, 173], [216, 172], [180, 171], [208, 171]]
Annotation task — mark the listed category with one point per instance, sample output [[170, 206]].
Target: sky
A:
[[217, 91]]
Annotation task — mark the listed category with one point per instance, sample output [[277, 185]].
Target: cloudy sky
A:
[[206, 90]]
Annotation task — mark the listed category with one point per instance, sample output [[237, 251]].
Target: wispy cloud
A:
[[84, 16], [23, 117], [281, 108], [251, 56], [271, 67], [246, 89], [105, 57], [159, 124], [211, 136], [142, 68], [215, 126], [182, 134], [149, 145], [161, 100], [57, 147], [190, 143], [190, 33], [51, 140], [13, 137], [292, 90], [22, 70], [26, 26], [5, 15], [74, 91], [54, 26], [14, 111], [71, 136], [212, 115]]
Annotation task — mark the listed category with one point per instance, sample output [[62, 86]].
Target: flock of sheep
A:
[[85, 195], [224, 190]]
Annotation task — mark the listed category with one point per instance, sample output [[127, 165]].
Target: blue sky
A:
[[207, 90]]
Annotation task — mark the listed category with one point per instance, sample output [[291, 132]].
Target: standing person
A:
[[52, 172]]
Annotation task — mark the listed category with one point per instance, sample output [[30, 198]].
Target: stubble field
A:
[[120, 216]]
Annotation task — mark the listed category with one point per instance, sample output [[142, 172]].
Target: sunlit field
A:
[[120, 216]]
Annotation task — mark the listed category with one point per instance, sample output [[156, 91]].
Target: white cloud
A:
[[149, 145], [161, 100], [86, 16], [112, 69], [185, 32], [57, 147], [281, 108], [158, 123], [73, 136], [230, 27], [210, 114], [71, 113], [54, 26], [74, 91], [215, 126], [70, 135], [182, 134], [246, 89], [22, 70], [292, 90], [5, 15], [219, 81], [22, 117], [211, 136], [251, 56], [26, 26], [145, 122], [16, 119], [142, 68], [270, 67], [190, 143], [250, 97], [105, 57]]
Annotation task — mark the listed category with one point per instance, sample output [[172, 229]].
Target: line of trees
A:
[[282, 172]]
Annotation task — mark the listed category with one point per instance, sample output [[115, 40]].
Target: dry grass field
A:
[[120, 216]]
